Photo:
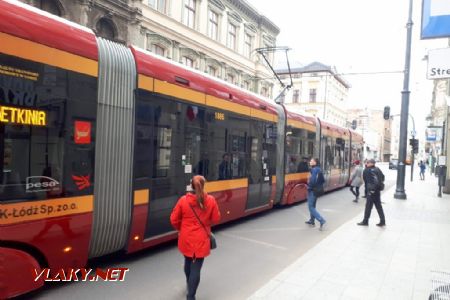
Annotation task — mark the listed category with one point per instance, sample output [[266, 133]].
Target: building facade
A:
[[377, 132], [318, 90], [437, 118], [218, 37]]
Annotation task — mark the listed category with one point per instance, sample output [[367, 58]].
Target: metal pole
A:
[[413, 134], [400, 189], [412, 161], [325, 98]]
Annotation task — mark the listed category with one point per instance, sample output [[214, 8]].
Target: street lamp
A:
[[400, 188], [413, 135]]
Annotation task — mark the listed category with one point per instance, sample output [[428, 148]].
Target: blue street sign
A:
[[435, 19]]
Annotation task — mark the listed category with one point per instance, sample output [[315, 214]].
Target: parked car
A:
[[393, 163]]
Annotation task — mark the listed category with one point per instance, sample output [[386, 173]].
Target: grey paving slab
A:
[[395, 262]]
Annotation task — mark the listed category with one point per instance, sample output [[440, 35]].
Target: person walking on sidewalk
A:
[[192, 217], [315, 189], [374, 180], [356, 180], [422, 167]]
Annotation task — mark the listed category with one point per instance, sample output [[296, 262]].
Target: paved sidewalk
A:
[[407, 259]]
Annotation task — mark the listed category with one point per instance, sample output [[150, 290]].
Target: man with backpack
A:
[[315, 190], [374, 181]]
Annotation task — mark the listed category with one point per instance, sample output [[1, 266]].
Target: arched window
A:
[[187, 61], [106, 29], [264, 91], [159, 50], [50, 6]]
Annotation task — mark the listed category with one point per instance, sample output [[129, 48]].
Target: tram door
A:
[[261, 158], [168, 145]]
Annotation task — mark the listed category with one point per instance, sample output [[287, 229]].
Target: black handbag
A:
[[212, 238]]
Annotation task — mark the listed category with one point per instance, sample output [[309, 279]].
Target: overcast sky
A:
[[358, 36]]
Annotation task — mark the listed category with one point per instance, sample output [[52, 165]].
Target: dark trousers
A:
[[192, 268], [422, 175], [355, 192], [374, 199]]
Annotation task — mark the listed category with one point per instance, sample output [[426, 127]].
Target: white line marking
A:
[[253, 241], [269, 229]]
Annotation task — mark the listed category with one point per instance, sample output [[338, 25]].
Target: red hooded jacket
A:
[[193, 241]]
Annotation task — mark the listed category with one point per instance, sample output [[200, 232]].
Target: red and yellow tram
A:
[[99, 140]]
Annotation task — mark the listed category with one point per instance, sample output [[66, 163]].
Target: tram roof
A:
[[305, 119], [334, 130], [30, 23], [169, 71]]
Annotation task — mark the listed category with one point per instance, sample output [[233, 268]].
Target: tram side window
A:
[[33, 154], [225, 144], [338, 154], [166, 127], [239, 132], [219, 160], [329, 153], [295, 140], [32, 161], [354, 155], [144, 139], [270, 148], [195, 155], [356, 152], [47, 131], [346, 155], [311, 136]]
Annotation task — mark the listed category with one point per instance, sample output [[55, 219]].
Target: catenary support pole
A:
[[400, 188]]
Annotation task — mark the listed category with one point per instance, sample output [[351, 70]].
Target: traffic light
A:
[[414, 143], [387, 113], [354, 124]]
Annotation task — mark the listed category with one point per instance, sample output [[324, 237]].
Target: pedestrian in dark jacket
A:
[[373, 179], [193, 237], [365, 187], [315, 182]]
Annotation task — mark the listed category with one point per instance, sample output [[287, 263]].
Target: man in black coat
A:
[[374, 181]]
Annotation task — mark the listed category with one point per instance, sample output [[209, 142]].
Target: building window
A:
[[50, 6], [213, 25], [246, 85], [264, 91], [312, 95], [187, 61], [295, 96], [159, 5], [105, 29], [230, 78], [232, 36], [248, 45], [212, 71], [158, 50], [189, 13]]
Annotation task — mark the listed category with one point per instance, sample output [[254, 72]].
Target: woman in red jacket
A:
[[193, 237]]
